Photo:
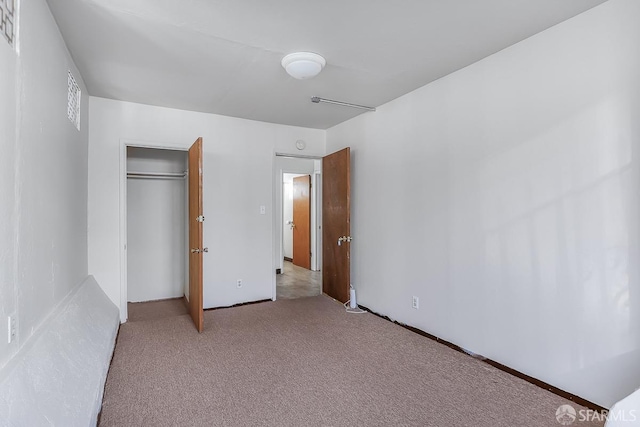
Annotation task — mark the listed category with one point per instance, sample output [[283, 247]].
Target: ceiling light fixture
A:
[[303, 65], [318, 100]]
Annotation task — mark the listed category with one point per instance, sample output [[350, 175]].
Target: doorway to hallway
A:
[[297, 282], [330, 198], [297, 227]]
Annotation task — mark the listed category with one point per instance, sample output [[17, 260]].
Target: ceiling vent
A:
[[73, 101], [7, 20]]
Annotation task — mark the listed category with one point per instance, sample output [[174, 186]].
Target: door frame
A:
[[316, 197], [124, 144]]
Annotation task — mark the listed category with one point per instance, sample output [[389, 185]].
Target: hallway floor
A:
[[298, 282]]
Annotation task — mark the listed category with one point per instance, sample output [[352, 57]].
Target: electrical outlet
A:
[[239, 284], [415, 302], [12, 329]]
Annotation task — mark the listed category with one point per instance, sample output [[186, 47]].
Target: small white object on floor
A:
[[352, 300], [355, 310], [353, 306]]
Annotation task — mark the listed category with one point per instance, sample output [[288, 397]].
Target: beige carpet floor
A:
[[304, 362]]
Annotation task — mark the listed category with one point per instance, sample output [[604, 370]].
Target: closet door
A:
[[196, 219]]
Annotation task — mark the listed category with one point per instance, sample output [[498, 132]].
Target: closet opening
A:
[[157, 231]]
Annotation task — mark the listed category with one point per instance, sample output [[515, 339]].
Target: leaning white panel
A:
[[58, 379], [625, 413]]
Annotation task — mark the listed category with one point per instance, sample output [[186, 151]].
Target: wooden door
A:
[[302, 221], [195, 234], [336, 224]]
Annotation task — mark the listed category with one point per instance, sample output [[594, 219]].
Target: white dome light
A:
[[303, 65]]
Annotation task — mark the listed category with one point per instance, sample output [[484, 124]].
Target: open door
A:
[[301, 221], [336, 224], [195, 234]]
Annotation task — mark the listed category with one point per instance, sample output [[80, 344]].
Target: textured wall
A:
[[43, 249], [52, 373], [8, 114]]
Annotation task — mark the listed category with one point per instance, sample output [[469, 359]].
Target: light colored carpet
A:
[[306, 362]]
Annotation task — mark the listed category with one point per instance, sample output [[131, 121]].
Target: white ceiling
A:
[[223, 56]]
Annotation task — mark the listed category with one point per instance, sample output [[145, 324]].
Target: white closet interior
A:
[[157, 233]]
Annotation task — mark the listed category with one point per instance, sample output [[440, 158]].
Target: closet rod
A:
[[157, 175]]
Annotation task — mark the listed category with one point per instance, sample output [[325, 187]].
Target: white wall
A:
[[43, 185], [8, 169], [287, 217], [316, 216], [238, 165], [156, 226], [505, 196]]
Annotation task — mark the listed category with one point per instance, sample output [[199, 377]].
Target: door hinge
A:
[[200, 218]]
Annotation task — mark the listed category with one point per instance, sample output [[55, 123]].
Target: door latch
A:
[[200, 218], [197, 251]]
